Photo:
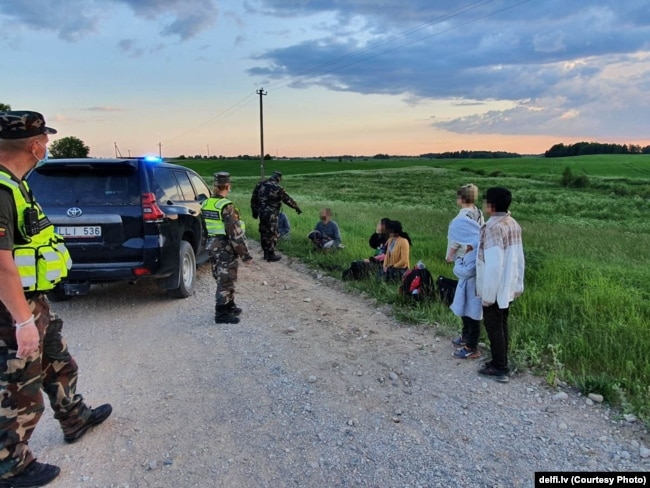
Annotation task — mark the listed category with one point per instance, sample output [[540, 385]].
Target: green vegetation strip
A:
[[584, 317]]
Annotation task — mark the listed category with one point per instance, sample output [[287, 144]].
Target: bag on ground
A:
[[446, 288], [358, 270], [417, 283]]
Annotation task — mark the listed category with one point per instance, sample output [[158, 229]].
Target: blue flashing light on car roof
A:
[[153, 159]]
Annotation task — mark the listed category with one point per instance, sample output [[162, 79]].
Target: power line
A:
[[356, 53], [415, 29], [213, 119], [372, 46]]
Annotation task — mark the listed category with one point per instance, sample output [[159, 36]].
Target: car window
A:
[[199, 185], [186, 186], [121, 189], [85, 187], [168, 186]]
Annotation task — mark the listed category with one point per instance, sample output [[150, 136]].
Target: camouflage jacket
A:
[[235, 239], [270, 195]]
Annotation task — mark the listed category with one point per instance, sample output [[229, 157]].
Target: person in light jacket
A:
[[499, 276], [467, 304]]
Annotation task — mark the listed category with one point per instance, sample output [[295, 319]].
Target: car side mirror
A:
[[202, 198]]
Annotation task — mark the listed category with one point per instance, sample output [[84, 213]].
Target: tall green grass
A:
[[585, 314]]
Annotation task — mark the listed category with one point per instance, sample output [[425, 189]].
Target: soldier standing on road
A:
[[33, 353], [226, 242], [268, 197]]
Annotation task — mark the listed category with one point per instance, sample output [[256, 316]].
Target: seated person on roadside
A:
[[363, 268], [396, 261], [326, 235], [466, 195], [377, 242], [284, 227]]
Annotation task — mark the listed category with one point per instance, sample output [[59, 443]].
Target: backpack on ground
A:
[[446, 288], [417, 283], [358, 270]]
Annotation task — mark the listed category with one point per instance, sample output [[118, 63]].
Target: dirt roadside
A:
[[315, 387]]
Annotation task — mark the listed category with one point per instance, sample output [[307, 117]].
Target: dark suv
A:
[[125, 219]]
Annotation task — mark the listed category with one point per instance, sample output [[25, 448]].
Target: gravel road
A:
[[314, 388]]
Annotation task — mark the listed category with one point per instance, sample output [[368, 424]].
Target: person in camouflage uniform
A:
[[226, 242], [33, 354], [268, 197]]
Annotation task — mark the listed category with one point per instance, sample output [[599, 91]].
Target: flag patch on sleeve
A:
[[3, 232]]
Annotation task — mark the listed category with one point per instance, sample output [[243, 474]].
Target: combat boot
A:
[[233, 308], [271, 257], [223, 315]]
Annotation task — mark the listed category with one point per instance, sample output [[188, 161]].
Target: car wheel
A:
[[186, 271], [57, 294]]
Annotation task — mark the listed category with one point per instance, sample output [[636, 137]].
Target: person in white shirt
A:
[[499, 276]]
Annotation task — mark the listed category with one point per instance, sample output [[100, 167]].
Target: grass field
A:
[[585, 314]]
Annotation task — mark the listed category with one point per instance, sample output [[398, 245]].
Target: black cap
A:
[[277, 175], [21, 124], [221, 178]]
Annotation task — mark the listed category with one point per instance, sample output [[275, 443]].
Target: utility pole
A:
[[208, 151], [160, 150], [261, 93]]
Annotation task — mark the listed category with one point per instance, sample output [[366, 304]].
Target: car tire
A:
[[186, 272], [57, 294]]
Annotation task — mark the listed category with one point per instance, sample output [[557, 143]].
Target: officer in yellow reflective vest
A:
[[33, 353], [226, 242]]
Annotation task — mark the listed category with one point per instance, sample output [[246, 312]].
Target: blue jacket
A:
[[466, 302]]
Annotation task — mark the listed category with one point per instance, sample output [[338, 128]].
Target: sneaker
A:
[[458, 341], [36, 474], [467, 353], [500, 375], [97, 416]]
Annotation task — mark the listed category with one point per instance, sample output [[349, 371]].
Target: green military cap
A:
[[277, 175], [20, 124], [221, 178]]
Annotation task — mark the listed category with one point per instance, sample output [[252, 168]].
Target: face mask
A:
[[323, 219], [46, 156]]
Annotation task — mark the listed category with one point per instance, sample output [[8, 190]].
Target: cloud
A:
[[104, 109], [130, 48], [73, 20], [556, 54], [188, 17]]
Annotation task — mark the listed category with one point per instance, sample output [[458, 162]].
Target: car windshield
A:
[[85, 188]]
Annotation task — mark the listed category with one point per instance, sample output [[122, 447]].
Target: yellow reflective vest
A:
[[41, 258], [212, 213]]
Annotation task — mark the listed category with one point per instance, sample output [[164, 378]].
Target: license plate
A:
[[86, 231]]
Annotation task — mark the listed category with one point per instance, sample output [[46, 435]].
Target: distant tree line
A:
[[471, 155], [244, 157], [584, 148]]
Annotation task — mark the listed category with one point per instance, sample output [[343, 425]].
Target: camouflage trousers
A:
[[224, 271], [269, 229], [21, 380]]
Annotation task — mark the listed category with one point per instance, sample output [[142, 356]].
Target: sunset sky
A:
[[356, 77]]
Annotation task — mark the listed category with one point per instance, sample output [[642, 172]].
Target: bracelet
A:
[[27, 322]]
